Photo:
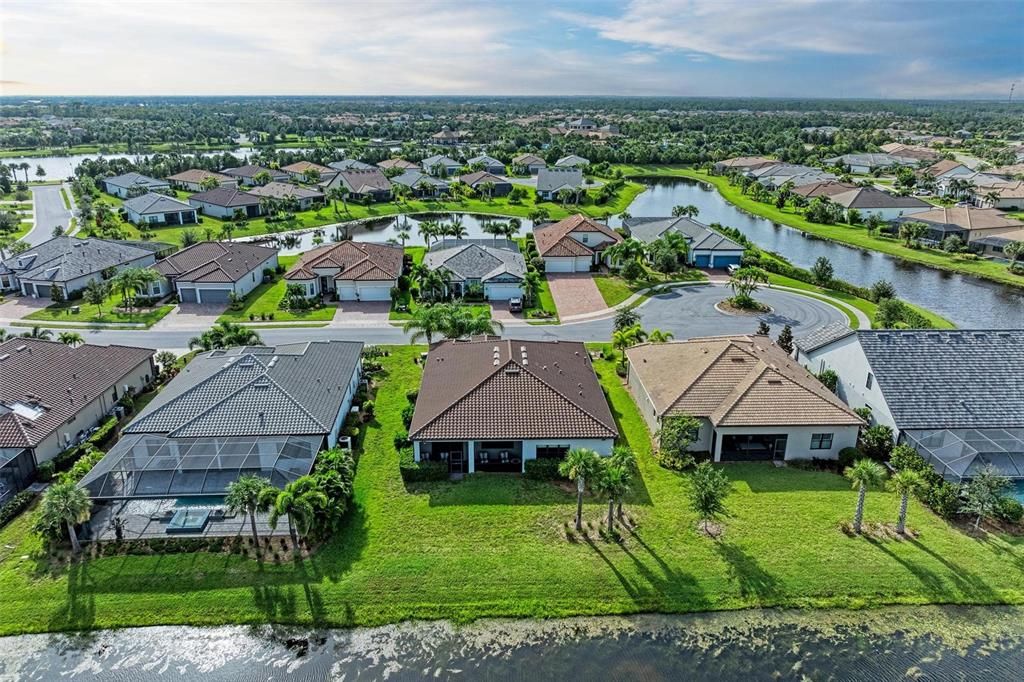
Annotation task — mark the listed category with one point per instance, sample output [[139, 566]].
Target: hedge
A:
[[420, 472], [939, 494], [104, 434], [15, 506], [541, 469]]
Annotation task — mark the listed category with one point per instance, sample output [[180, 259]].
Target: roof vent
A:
[[20, 348], [4, 356], [512, 368]]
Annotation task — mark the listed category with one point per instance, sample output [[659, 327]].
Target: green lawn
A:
[[494, 545], [111, 314], [265, 300], [847, 234], [65, 198], [615, 289]]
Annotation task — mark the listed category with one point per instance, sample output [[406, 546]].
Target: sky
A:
[[954, 49]]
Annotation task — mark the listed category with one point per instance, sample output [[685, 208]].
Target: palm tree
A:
[[428, 229], [688, 211], [906, 482], [299, 501], [425, 324], [67, 504], [564, 195], [628, 249], [863, 474], [912, 231], [336, 193], [613, 482], [245, 495], [992, 197], [38, 332], [24, 166], [658, 336], [96, 292], [512, 228], [623, 456], [225, 335], [531, 286], [460, 321], [455, 229], [627, 337], [579, 465], [73, 339], [403, 236]]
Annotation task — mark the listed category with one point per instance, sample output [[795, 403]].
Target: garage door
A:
[[187, 295], [702, 260], [503, 292], [214, 295], [559, 264], [42, 291], [375, 292], [722, 261], [346, 292]]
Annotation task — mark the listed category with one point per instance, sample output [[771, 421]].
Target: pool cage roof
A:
[[959, 454], [148, 465]]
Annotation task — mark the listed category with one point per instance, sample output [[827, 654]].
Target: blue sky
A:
[[824, 48]]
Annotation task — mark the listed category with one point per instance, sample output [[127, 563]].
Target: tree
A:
[[744, 283], [57, 294], [580, 464], [625, 338], [829, 379], [763, 329], [38, 332], [403, 236], [912, 231], [785, 340], [612, 481], [426, 323], [245, 495], [262, 178], [624, 457], [625, 318], [95, 293], [531, 286], [73, 339], [709, 486], [299, 502], [688, 211], [65, 504], [311, 176], [40, 173], [876, 442], [982, 494], [658, 336], [225, 335], [187, 238], [906, 482], [165, 359], [863, 474], [873, 223], [208, 183], [677, 434], [823, 271], [881, 290], [1014, 251]]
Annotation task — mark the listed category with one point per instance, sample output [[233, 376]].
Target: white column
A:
[[718, 446], [472, 456], [416, 450]]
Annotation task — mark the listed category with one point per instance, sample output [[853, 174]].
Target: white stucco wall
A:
[[798, 443], [346, 405]]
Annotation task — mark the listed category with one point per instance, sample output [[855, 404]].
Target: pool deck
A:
[[147, 519]]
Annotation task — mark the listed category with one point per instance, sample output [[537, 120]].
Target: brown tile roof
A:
[[214, 261], [360, 261], [478, 177], [59, 380], [361, 181], [825, 188], [527, 160], [734, 381], [398, 163], [749, 162], [301, 167], [486, 389], [968, 217], [197, 175], [554, 239], [940, 167]]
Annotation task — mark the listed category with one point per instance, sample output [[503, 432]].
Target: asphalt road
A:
[[686, 312], [49, 213]]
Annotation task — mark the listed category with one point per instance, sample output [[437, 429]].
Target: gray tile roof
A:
[[215, 262], [156, 203], [432, 161], [349, 164], [297, 389], [869, 197], [949, 379], [822, 336], [698, 235], [133, 179], [226, 196], [65, 258], [554, 179], [572, 160], [487, 161], [481, 259], [411, 178]]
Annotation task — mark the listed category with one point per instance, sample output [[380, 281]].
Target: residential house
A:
[[304, 197], [158, 209], [224, 202], [823, 188], [258, 410], [192, 180], [551, 181], [52, 394], [133, 184], [491, 405], [71, 263], [574, 244], [297, 171], [870, 201], [967, 222], [494, 265], [866, 163], [742, 164], [354, 271], [246, 175], [1008, 194], [421, 184], [363, 185], [775, 175], [706, 247], [488, 164], [440, 166], [477, 180], [955, 396], [446, 137], [910, 151], [210, 272], [753, 402], [581, 123], [946, 168], [398, 164], [530, 163], [572, 161], [347, 164]]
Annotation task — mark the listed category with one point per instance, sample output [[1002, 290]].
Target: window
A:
[[821, 368], [586, 238], [821, 441], [870, 381], [552, 451]]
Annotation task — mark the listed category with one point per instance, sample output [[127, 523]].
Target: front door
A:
[[779, 452], [456, 462]]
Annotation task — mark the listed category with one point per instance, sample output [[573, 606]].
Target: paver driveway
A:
[[575, 293]]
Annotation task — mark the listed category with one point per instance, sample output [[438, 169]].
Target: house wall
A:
[[122, 192], [184, 217], [346, 405], [798, 445], [212, 209], [242, 287], [28, 289], [892, 213], [502, 291]]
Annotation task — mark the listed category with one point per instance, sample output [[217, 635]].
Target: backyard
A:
[[495, 545]]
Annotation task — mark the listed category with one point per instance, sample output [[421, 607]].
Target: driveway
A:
[[575, 293], [191, 316], [49, 213], [18, 307], [358, 313]]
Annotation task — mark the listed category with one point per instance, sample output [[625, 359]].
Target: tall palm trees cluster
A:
[[437, 230], [610, 477], [667, 254], [225, 335], [133, 282], [450, 321]]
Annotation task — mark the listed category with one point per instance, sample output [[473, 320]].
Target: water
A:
[[914, 643], [1017, 491], [966, 301], [60, 167]]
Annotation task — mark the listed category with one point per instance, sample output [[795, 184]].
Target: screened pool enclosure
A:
[[959, 454]]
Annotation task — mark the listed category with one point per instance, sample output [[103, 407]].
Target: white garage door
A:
[[503, 292], [375, 292], [559, 264], [346, 292], [583, 263]]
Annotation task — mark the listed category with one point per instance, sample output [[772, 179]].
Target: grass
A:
[[110, 313], [848, 234], [615, 289], [265, 300], [494, 545], [64, 197]]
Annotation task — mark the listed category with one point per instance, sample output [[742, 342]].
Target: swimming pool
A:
[[1017, 490]]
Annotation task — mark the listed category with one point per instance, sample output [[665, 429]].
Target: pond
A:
[[59, 167], [966, 301], [912, 643]]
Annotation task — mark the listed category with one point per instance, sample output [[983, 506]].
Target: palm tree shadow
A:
[[753, 580], [78, 612]]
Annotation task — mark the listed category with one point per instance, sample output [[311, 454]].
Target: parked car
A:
[[732, 268], [515, 305]]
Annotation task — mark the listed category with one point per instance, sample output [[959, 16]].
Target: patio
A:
[[174, 518], [959, 454]]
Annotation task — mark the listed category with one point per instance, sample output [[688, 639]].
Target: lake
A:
[[931, 643], [966, 301]]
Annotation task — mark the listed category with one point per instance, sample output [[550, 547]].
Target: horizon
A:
[[795, 49]]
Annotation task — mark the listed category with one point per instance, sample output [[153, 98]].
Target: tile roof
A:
[[360, 181], [949, 379], [413, 177], [822, 336], [398, 163], [58, 380], [432, 161], [347, 164], [734, 381], [197, 175], [554, 240], [297, 389], [746, 162], [156, 203], [968, 217], [480, 177], [572, 160], [250, 171], [487, 161], [362, 261], [228, 197], [66, 258], [300, 167], [283, 190], [481, 259], [133, 179], [869, 197], [528, 160], [823, 188], [492, 388], [554, 179], [943, 166], [214, 261], [698, 235]]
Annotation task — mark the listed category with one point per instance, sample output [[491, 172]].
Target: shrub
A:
[[674, 462], [15, 506], [401, 440], [943, 499], [407, 414], [420, 472], [412, 394], [847, 456], [541, 469], [1009, 510], [876, 442], [368, 408], [45, 472], [632, 270]]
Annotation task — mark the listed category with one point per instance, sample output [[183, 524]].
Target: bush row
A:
[[420, 472], [67, 459], [15, 506], [541, 469]]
